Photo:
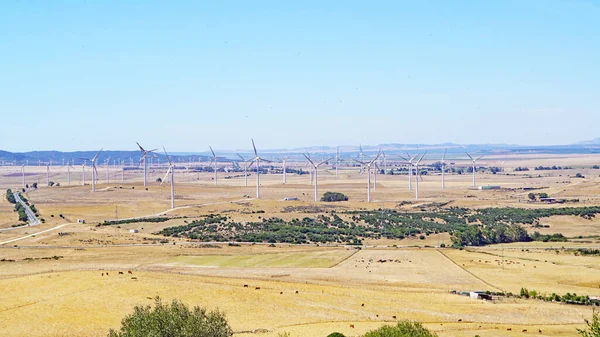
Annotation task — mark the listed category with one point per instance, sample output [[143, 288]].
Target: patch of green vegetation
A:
[[467, 227], [125, 221], [10, 196], [334, 196]]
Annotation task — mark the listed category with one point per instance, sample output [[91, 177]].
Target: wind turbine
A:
[[443, 167], [337, 160], [83, 173], [409, 160], [368, 166], [48, 173], [123, 171], [144, 155], [214, 160], [284, 161], [94, 171], [316, 166], [172, 171], [473, 161], [417, 176], [68, 173], [246, 166], [106, 165], [23, 174], [257, 160]]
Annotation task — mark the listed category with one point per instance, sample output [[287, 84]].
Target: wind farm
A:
[[300, 169]]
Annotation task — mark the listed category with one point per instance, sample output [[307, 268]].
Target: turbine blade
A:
[[97, 154], [242, 158], [254, 146], [168, 157], [141, 148], [324, 161], [469, 156], [166, 175], [308, 158], [444, 157], [213, 152]]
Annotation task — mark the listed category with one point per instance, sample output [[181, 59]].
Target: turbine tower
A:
[[48, 173], [23, 174], [368, 166], [246, 166], [94, 170], [68, 173], [83, 173], [284, 161], [316, 167], [417, 176], [172, 171], [409, 160], [257, 160], [473, 161], [143, 158], [214, 160], [106, 165], [337, 160], [443, 167]]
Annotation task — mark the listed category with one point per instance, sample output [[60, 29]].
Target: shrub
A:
[[335, 334], [174, 320], [593, 326], [334, 196], [403, 329]]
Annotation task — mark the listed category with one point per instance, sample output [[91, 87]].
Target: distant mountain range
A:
[[346, 151]]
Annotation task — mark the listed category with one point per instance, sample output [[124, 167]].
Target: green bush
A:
[[334, 196], [335, 334], [173, 320], [593, 326], [403, 329], [10, 197]]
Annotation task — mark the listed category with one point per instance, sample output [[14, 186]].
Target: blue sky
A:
[[79, 75]]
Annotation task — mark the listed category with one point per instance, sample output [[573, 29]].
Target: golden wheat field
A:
[[62, 278]]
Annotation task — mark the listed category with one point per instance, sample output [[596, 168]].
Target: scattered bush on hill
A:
[[334, 196], [403, 329], [173, 320]]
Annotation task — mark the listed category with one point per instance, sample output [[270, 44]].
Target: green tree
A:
[[593, 326], [336, 334], [173, 320], [531, 196], [334, 196], [403, 329]]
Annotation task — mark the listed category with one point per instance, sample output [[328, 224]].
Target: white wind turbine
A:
[[246, 166], [143, 158], [23, 174], [68, 173], [316, 167], [83, 173], [337, 160], [284, 161], [473, 161], [417, 175], [106, 166], [409, 160], [94, 171], [368, 166], [443, 167], [257, 160], [48, 173], [172, 171], [123, 171], [214, 160]]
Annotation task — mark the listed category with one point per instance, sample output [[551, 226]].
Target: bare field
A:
[[56, 280]]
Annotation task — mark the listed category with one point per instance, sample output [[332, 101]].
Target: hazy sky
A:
[[78, 75]]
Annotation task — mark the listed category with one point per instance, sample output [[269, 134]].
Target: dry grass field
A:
[[68, 296]]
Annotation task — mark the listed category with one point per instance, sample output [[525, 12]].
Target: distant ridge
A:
[[346, 151], [595, 141]]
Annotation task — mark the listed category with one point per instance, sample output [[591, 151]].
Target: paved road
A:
[[33, 220]]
